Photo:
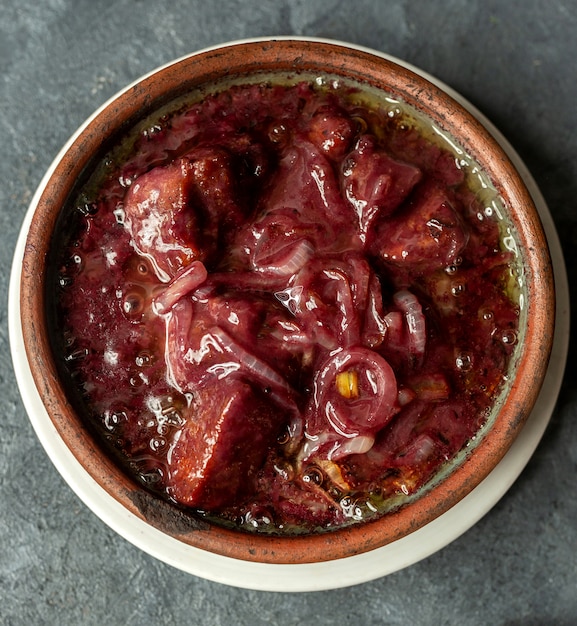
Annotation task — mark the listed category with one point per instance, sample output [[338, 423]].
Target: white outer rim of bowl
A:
[[311, 576]]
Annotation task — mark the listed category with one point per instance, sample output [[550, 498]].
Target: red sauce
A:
[[285, 308]]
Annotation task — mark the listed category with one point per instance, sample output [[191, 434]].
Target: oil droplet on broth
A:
[[143, 359], [464, 362], [258, 516], [134, 303], [114, 418], [88, 209], [64, 280], [78, 261], [458, 289], [509, 337], [157, 444], [77, 355], [313, 475], [151, 477]]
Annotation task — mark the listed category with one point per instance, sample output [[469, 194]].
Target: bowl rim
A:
[[264, 551]]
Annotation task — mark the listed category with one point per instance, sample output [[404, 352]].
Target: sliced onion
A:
[[356, 445], [333, 447], [313, 443], [291, 298], [375, 327], [430, 387], [405, 395], [295, 432], [178, 325], [285, 260], [183, 283], [291, 336], [331, 303], [281, 391], [413, 312], [394, 322], [419, 450], [254, 281], [365, 414], [350, 327]]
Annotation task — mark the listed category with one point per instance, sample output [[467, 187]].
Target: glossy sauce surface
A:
[[285, 308]]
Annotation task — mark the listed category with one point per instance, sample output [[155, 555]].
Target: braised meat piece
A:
[[183, 211], [374, 183], [158, 218], [429, 233], [331, 130], [222, 446]]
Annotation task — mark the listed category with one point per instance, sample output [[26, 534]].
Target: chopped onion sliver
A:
[[291, 298], [420, 450], [295, 432], [350, 323], [281, 391], [430, 388], [188, 280], [367, 413], [411, 307], [405, 395], [312, 444], [286, 261], [357, 445], [178, 325]]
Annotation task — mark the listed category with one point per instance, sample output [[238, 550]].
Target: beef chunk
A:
[[182, 212], [331, 131], [374, 183], [158, 218], [215, 188], [429, 234], [222, 446]]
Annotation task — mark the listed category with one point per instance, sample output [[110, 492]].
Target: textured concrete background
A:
[[60, 59]]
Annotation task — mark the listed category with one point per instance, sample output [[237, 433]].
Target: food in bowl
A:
[[287, 306]]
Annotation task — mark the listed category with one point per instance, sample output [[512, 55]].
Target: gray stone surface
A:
[[60, 59]]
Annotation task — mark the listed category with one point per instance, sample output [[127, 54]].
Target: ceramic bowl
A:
[[86, 461]]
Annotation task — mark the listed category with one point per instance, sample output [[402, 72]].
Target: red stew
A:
[[286, 308]]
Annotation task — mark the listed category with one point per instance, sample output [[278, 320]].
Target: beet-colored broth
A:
[[287, 307]]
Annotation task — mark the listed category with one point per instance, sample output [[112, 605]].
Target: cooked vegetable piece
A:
[[348, 384]]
